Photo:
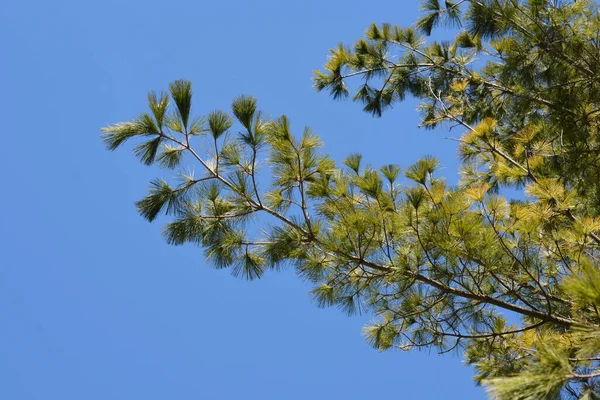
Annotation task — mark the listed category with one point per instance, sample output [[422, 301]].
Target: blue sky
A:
[[93, 303]]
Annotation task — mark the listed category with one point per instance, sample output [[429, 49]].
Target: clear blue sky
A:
[[93, 303]]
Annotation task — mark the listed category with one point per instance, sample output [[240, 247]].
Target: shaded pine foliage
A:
[[514, 284]]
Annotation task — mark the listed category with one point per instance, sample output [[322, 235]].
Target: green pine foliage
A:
[[512, 284]]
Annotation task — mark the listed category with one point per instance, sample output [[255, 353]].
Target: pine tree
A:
[[513, 283]]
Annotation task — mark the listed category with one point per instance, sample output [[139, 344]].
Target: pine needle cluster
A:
[[514, 284]]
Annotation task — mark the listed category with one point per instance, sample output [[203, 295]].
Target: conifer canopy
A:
[[513, 283]]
